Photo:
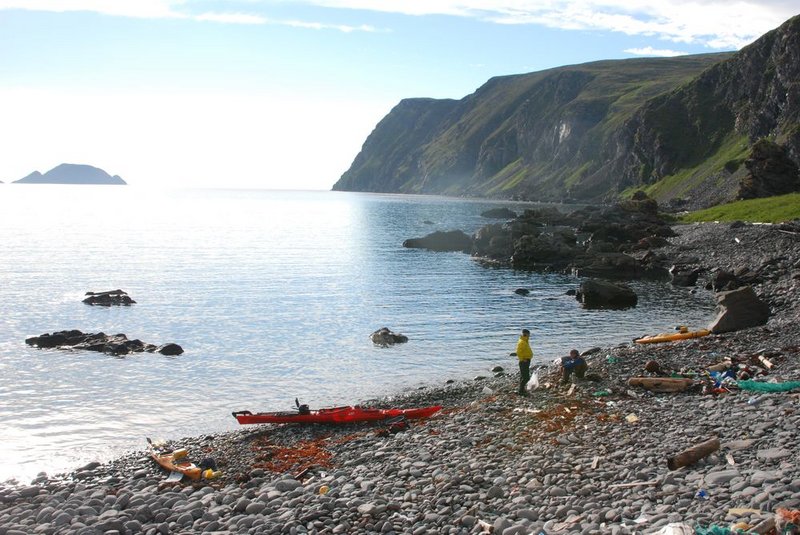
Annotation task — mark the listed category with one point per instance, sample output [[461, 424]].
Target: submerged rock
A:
[[453, 240], [384, 337], [499, 213], [116, 344], [595, 293], [109, 298]]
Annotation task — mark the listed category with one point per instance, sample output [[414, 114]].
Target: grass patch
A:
[[767, 210], [729, 155]]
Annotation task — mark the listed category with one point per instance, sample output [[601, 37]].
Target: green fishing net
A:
[[768, 387]]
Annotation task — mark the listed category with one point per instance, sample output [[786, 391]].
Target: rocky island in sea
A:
[[68, 173]]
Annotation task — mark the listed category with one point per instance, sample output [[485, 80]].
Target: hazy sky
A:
[[282, 93]]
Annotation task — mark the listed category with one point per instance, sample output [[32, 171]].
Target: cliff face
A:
[[705, 130], [592, 131], [68, 173]]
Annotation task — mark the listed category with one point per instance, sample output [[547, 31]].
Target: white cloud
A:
[[323, 26], [232, 18], [171, 9], [120, 8], [717, 24], [650, 51]]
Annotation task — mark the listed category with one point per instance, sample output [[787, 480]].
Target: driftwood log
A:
[[693, 454], [661, 384]]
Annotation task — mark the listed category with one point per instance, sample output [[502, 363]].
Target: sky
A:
[[281, 94]]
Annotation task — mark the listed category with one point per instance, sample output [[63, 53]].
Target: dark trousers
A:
[[579, 371], [524, 374]]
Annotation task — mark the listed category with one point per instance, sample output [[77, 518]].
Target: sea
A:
[[273, 296]]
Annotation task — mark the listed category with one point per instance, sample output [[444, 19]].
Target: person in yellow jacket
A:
[[524, 354]]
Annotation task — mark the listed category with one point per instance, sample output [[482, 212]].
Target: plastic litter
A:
[[677, 528], [768, 387], [788, 521], [702, 494], [713, 529], [533, 383]]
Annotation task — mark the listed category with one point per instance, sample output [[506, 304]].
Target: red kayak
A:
[[335, 415]]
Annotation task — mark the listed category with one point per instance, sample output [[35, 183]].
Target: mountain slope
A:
[[592, 131]]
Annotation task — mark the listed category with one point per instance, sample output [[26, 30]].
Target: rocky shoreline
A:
[[584, 458]]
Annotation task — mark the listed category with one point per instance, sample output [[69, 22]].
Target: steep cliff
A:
[[680, 127], [693, 141]]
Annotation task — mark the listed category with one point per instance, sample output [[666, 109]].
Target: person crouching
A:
[[574, 363]]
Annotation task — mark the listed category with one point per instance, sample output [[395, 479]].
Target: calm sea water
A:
[[272, 295]]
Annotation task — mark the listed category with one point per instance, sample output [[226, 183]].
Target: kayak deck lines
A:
[[334, 415]]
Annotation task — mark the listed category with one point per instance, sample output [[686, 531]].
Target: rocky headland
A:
[[589, 457], [709, 128]]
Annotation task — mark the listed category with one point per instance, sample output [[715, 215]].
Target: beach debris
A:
[[652, 366], [787, 520], [676, 528], [693, 454], [661, 384], [768, 387], [650, 483], [108, 298]]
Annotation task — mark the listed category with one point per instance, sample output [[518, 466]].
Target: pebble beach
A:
[[586, 457]]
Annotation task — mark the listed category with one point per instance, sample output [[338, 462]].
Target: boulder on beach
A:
[[684, 275], [385, 337], [115, 344], [109, 298], [594, 293], [739, 309]]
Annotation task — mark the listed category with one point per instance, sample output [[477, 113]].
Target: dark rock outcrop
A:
[[453, 240], [109, 298], [385, 337], [684, 276], [595, 293], [591, 241], [68, 173], [116, 344], [771, 172], [499, 213], [739, 309]]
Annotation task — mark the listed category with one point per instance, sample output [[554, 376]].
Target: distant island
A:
[[69, 173]]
